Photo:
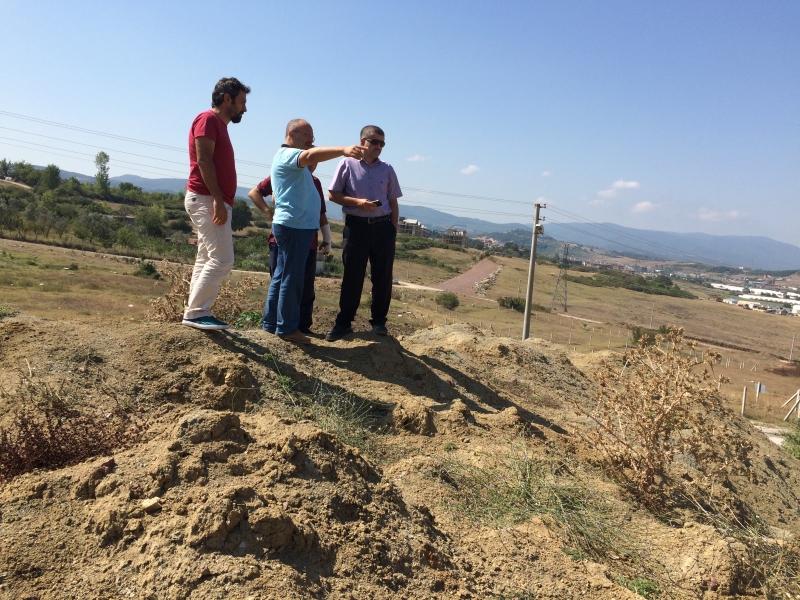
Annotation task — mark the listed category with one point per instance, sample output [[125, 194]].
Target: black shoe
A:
[[380, 330], [338, 332], [306, 330]]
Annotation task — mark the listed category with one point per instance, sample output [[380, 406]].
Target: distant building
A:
[[412, 227], [489, 242], [730, 300], [455, 237]]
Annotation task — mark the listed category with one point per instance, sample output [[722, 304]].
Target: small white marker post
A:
[[744, 399], [758, 391]]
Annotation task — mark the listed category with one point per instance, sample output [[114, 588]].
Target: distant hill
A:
[[172, 185], [758, 252]]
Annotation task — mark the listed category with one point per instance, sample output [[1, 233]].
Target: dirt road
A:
[[465, 283]]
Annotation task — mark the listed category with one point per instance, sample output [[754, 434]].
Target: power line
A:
[[244, 162], [326, 176]]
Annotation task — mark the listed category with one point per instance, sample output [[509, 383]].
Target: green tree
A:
[[150, 220], [101, 178], [5, 168], [129, 189], [93, 226], [24, 172], [61, 226], [241, 216], [50, 177], [70, 186], [127, 238]]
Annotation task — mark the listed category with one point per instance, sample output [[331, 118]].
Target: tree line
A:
[[95, 215]]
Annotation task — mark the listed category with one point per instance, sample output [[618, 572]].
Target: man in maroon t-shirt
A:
[[257, 195], [209, 199]]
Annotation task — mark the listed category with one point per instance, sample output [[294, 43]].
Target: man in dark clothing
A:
[[367, 189]]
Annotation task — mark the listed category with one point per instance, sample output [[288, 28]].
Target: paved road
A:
[[465, 283]]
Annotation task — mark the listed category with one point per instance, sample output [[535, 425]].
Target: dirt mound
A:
[[241, 487]]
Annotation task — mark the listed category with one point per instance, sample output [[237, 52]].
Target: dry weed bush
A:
[[49, 430], [169, 307], [658, 407]]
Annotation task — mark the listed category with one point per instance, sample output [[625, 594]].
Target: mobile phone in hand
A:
[[375, 202]]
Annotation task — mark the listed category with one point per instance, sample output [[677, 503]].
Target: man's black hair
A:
[[371, 130], [227, 85]]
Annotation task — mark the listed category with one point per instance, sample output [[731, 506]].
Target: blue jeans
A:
[[282, 312], [309, 295]]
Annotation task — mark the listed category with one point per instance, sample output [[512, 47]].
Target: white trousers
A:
[[214, 255]]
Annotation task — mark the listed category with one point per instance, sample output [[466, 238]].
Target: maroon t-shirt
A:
[[265, 189], [208, 124]]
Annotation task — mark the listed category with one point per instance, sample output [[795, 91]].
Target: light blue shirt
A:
[[296, 197]]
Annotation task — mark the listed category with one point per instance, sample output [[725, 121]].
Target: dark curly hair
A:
[[227, 85]]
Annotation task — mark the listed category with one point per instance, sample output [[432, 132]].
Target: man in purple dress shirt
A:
[[367, 189]]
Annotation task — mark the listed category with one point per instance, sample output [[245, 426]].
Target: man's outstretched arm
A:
[[318, 155]]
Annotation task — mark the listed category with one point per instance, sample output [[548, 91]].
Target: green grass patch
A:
[[661, 285], [791, 442], [7, 311], [641, 585], [248, 320]]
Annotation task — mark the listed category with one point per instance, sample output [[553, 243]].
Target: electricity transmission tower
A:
[[560, 295]]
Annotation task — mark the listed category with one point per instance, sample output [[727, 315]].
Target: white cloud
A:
[[712, 216], [643, 207], [546, 173], [416, 158], [470, 170], [619, 184]]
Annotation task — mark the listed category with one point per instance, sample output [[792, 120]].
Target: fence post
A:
[[744, 399]]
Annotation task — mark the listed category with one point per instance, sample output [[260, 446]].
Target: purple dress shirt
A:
[[357, 179]]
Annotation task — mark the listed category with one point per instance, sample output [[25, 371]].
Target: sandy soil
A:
[[232, 492]]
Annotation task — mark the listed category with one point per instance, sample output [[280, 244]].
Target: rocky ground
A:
[[242, 483]]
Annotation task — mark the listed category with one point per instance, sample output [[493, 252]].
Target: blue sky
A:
[[678, 116]]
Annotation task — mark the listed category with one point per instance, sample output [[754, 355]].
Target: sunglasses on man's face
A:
[[380, 143]]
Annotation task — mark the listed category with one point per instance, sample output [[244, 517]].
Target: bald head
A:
[[299, 134], [295, 124]]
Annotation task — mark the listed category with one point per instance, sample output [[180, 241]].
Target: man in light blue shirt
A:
[[295, 221]]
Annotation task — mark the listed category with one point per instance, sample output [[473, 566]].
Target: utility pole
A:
[[537, 229], [791, 352], [652, 310]]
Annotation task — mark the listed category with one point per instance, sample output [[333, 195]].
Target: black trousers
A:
[[307, 300], [364, 242]]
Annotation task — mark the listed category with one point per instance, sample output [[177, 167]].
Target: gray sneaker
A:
[[206, 323]]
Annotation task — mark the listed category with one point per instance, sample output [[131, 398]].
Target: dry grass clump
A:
[[49, 430], [769, 559], [658, 407], [515, 486], [169, 307]]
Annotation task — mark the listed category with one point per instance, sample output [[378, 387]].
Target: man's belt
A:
[[370, 220]]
